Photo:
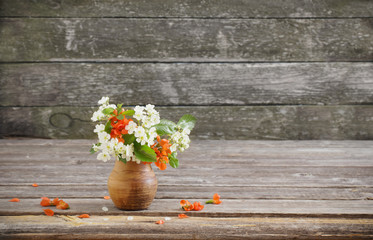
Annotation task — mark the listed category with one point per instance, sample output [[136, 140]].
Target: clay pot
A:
[[132, 186]]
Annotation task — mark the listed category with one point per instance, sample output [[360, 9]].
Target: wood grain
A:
[[189, 8], [229, 208], [195, 191], [245, 122], [211, 40], [80, 84], [262, 201], [143, 227]]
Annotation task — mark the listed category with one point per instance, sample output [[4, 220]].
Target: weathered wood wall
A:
[[291, 69]]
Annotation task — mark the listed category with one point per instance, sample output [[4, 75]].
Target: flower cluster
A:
[[135, 135]]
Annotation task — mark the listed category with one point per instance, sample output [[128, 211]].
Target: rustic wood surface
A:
[[188, 8], [269, 189], [214, 122], [202, 40], [56, 84], [272, 65]]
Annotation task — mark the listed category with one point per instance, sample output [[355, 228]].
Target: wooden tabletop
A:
[[269, 189]]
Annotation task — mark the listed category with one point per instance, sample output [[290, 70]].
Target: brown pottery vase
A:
[[132, 186]]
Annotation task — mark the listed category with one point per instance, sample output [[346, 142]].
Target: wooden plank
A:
[[78, 145], [174, 84], [189, 8], [98, 190], [211, 40], [244, 122], [251, 176], [229, 208], [119, 227]]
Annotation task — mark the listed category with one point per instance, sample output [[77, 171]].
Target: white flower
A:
[[186, 131], [176, 136], [97, 116], [136, 160], [139, 113], [103, 137], [131, 127], [173, 147], [153, 132], [104, 156], [99, 128], [129, 151], [110, 106], [104, 101], [146, 123], [154, 119], [113, 143], [107, 148], [120, 148], [140, 131], [142, 139], [149, 107]]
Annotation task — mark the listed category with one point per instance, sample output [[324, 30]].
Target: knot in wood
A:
[[60, 120]]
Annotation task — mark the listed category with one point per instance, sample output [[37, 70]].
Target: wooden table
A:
[[269, 189]]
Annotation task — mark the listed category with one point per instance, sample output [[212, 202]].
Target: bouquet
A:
[[139, 135]]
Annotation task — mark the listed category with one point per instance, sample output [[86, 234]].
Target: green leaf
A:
[[145, 153], [187, 121], [165, 127], [128, 139], [174, 162], [120, 117], [92, 148], [128, 112], [210, 202], [92, 151], [119, 107], [122, 159], [108, 111], [108, 127]]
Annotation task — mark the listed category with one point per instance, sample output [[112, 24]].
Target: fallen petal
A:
[[105, 209], [84, 216], [48, 212], [14, 200], [181, 216], [35, 185], [45, 202], [107, 197], [159, 222]]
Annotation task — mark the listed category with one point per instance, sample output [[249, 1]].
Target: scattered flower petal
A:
[[48, 212], [84, 216], [159, 222], [45, 202], [130, 218], [105, 209], [35, 185], [14, 200], [181, 216], [186, 205], [62, 205], [55, 201], [197, 206], [167, 218], [107, 197], [215, 200]]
